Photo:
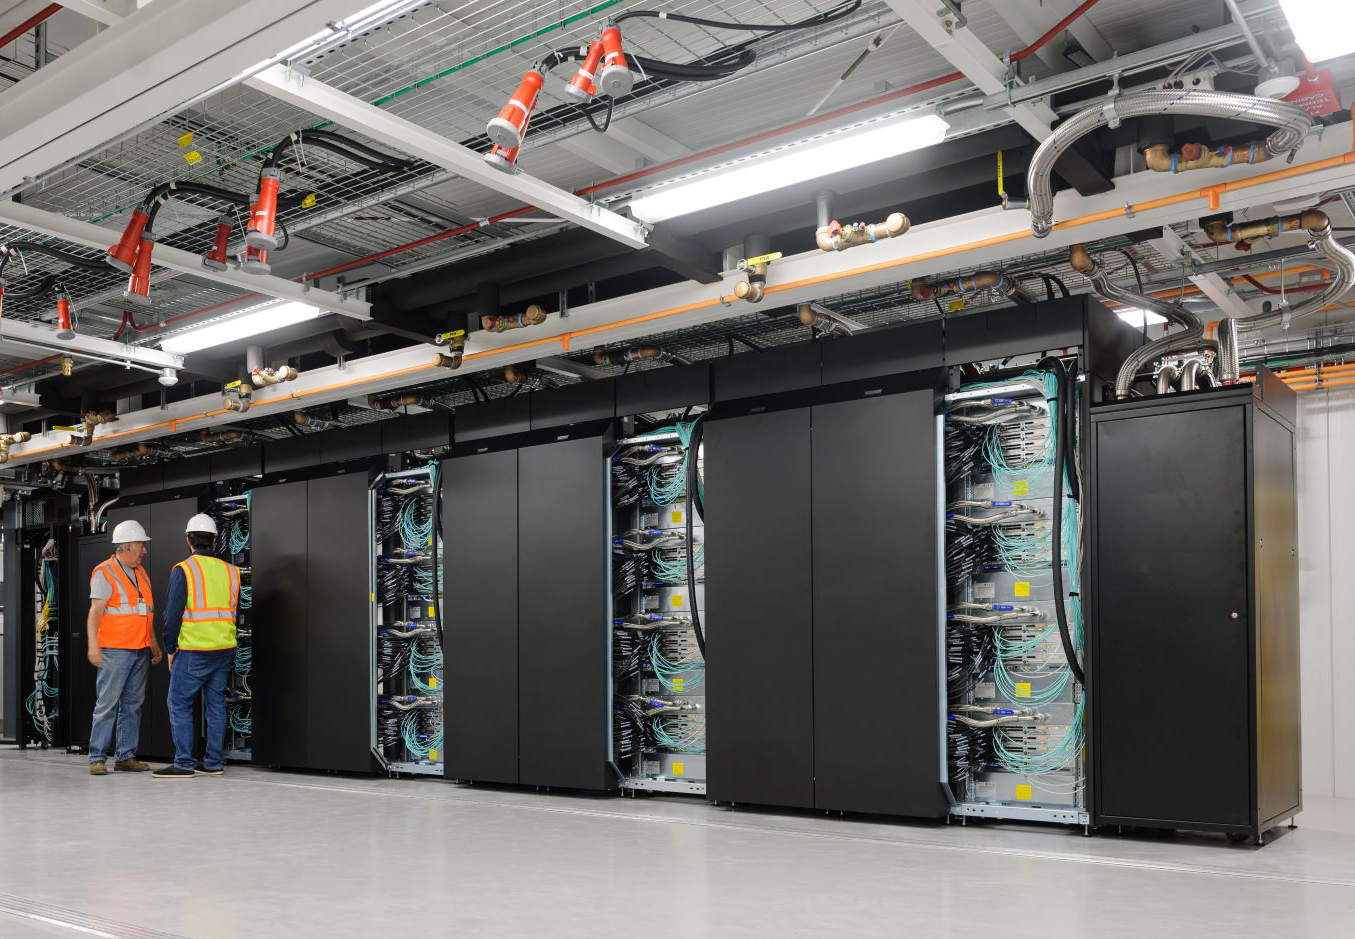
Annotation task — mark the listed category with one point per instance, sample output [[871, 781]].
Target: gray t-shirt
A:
[[101, 588]]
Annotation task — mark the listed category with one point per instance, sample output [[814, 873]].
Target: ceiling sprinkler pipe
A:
[[1190, 336], [836, 237], [1290, 121]]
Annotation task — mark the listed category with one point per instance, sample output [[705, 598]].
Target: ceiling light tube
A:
[[795, 163], [1324, 29], [241, 325]]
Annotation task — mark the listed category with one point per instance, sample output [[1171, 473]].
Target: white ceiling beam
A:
[[1174, 248], [1029, 19], [355, 114], [979, 239], [141, 68], [107, 12], [644, 139], [186, 262], [964, 50], [26, 339]]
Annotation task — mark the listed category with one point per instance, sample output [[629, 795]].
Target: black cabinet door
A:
[[759, 669], [92, 550], [562, 615], [480, 624], [876, 649], [278, 561], [337, 662], [1170, 699]]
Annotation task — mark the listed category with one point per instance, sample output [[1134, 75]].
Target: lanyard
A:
[[136, 583]]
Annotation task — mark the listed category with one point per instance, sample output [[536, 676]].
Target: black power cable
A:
[[1056, 551], [695, 499], [828, 16]]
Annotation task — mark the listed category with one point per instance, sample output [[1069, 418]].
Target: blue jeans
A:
[[119, 690], [193, 672]]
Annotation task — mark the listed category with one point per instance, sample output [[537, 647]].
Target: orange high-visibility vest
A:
[[213, 595], [125, 624]]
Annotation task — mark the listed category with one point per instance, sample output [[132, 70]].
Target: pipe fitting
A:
[[816, 320], [396, 402], [1160, 158], [524, 374], [534, 315], [755, 287], [1245, 234], [603, 356], [263, 377], [302, 419], [971, 283], [838, 237]]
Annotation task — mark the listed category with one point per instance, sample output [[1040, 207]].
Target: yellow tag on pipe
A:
[[763, 258]]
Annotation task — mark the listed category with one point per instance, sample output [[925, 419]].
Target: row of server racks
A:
[[917, 572]]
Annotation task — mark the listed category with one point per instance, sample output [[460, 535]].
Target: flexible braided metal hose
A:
[[1290, 121]]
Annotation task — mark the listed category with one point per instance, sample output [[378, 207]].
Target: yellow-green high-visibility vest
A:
[[213, 595]]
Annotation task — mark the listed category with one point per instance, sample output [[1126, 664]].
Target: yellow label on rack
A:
[[1020, 487], [1025, 792], [192, 156], [309, 201], [373, 598], [186, 140], [1023, 689], [1021, 588], [432, 612], [432, 681], [679, 684], [677, 599], [677, 517], [678, 769], [433, 756]]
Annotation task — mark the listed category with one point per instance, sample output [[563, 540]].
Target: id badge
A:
[[141, 607]]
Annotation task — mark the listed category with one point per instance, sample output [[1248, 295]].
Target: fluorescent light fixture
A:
[[240, 326], [788, 165], [1135, 317], [1324, 29]]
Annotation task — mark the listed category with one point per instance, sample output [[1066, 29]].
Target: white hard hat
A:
[[129, 531], [200, 522]]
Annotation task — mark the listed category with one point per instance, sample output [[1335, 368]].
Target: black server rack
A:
[[310, 622], [89, 552], [1194, 658], [480, 629]]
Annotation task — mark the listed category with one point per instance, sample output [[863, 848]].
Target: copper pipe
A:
[[970, 283], [302, 419], [394, 403], [838, 237], [1245, 233], [603, 356], [131, 453], [1160, 158], [263, 377], [534, 315]]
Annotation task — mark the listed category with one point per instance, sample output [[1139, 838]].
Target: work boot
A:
[[173, 772], [131, 765], [219, 771], [98, 769]]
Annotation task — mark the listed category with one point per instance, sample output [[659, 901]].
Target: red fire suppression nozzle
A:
[[215, 258], [508, 128], [616, 77], [263, 218], [139, 283], [581, 87], [123, 254]]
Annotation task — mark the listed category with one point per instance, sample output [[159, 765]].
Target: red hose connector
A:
[[581, 86], [263, 218], [256, 261], [139, 283], [64, 329], [616, 77], [501, 159], [215, 258], [508, 129], [123, 254]]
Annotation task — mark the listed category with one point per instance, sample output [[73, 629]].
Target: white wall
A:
[[1326, 497]]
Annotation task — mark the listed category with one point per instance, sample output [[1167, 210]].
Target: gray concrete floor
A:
[[267, 854]]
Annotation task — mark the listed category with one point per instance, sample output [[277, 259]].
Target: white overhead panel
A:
[[141, 68], [964, 243], [107, 12], [942, 29], [186, 262], [644, 139], [355, 114]]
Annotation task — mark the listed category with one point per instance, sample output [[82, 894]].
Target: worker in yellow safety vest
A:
[[122, 646], [199, 635]]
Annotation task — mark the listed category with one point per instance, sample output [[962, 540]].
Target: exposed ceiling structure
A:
[[405, 232]]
